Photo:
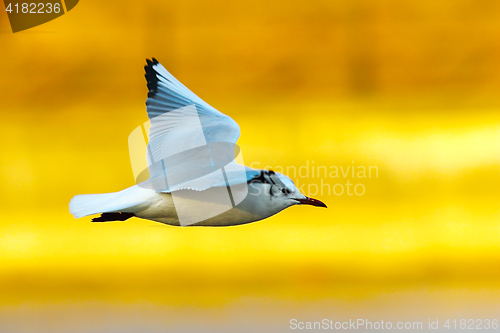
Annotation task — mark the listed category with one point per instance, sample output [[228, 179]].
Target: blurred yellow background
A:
[[410, 87]]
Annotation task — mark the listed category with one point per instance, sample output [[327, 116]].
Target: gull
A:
[[192, 176]]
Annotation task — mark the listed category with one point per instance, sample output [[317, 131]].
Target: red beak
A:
[[311, 201]]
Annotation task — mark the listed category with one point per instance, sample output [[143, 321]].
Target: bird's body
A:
[[194, 179], [160, 207]]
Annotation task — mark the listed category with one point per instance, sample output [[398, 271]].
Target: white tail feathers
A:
[[127, 200], [89, 204]]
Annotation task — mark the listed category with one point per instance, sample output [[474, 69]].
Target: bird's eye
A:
[[284, 190]]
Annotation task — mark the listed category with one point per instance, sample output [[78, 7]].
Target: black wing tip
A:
[[107, 217], [152, 62], [151, 76]]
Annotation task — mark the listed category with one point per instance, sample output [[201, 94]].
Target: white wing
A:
[[190, 142], [166, 93]]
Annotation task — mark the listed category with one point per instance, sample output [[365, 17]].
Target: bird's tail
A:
[[89, 204], [126, 201]]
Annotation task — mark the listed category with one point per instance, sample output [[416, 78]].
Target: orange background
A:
[[409, 87]]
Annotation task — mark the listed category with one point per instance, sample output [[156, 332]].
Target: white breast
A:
[[257, 205]]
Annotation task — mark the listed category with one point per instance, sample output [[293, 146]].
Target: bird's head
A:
[[284, 191]]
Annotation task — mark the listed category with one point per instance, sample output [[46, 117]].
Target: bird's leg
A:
[[107, 217]]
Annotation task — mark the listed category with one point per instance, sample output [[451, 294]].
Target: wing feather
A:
[[180, 122]]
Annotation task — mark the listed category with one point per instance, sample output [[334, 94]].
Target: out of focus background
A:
[[408, 87]]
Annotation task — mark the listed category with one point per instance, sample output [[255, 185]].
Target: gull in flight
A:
[[187, 172]]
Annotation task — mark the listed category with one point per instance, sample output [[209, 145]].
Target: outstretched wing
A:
[[166, 94], [190, 142]]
